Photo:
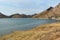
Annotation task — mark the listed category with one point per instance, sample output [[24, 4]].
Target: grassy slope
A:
[[43, 32]]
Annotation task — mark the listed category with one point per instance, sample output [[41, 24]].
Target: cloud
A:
[[10, 10], [25, 6]]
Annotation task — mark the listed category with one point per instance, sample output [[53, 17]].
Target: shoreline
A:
[[40, 32]]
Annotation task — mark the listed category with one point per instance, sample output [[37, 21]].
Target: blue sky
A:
[[9, 7]]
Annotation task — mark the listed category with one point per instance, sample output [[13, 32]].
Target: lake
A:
[[7, 25]]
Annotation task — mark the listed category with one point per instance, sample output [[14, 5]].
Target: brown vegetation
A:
[[49, 13], [41, 32]]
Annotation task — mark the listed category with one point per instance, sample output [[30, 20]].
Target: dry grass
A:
[[41, 32]]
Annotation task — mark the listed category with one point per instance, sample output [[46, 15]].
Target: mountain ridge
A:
[[17, 15], [50, 13]]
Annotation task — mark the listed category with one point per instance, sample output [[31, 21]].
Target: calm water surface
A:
[[8, 25]]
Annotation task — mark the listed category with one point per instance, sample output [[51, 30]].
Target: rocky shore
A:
[[41, 32]]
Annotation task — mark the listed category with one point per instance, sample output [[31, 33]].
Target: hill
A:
[[50, 13], [3, 16], [17, 15]]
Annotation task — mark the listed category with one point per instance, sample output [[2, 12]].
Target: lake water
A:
[[8, 25]]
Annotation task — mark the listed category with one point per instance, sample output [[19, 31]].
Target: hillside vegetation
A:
[[50, 13]]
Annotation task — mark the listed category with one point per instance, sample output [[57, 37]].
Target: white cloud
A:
[[30, 6], [9, 10]]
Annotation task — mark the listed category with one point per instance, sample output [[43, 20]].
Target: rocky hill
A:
[[41, 32], [50, 13], [17, 15]]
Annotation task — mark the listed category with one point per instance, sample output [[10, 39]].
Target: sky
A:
[[29, 7]]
